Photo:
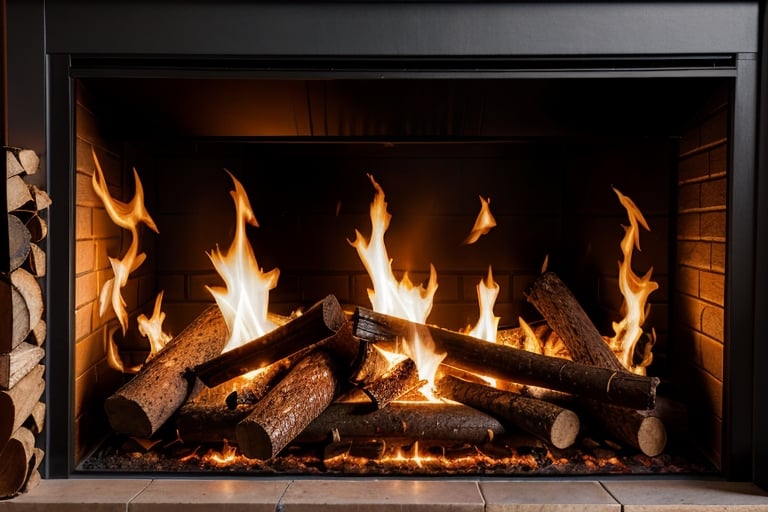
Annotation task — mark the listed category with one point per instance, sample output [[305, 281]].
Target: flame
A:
[[127, 216], [483, 224], [401, 298], [152, 328], [635, 290], [113, 357], [244, 300], [488, 324]]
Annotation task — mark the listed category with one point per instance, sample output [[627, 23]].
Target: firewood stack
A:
[[22, 326]]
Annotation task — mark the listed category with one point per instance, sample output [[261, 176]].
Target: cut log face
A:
[[18, 403], [15, 459]]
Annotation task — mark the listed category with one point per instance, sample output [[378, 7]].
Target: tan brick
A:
[[718, 160], [83, 222], [85, 256], [714, 193], [713, 322], [690, 310], [713, 287], [103, 226], [86, 289], [718, 256], [89, 351], [84, 193], [713, 225], [689, 225], [106, 248], [688, 197], [695, 254], [715, 128], [712, 356], [83, 320], [688, 280], [318, 286], [693, 167], [198, 282], [691, 139], [85, 390]]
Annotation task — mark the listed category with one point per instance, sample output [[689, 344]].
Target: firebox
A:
[[596, 138]]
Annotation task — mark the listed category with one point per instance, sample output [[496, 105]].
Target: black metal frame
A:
[[542, 39]]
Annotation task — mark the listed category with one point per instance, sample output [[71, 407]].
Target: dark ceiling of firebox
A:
[[393, 108]]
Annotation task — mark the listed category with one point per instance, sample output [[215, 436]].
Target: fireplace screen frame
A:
[[90, 33]]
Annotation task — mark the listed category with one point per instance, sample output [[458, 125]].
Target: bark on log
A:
[[369, 365], [18, 403], [15, 458], [319, 323], [17, 364], [402, 421], [554, 424], [397, 381], [144, 403], [506, 363], [561, 310], [287, 409]]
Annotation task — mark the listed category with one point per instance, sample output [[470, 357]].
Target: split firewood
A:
[[402, 421], [36, 260], [560, 308], [33, 476], [15, 365], [37, 334], [15, 459], [142, 405], [19, 402], [36, 419], [369, 365], [16, 193], [12, 165], [554, 424], [289, 407], [394, 383], [30, 292], [502, 362], [19, 239], [37, 226], [317, 325], [211, 415], [14, 316]]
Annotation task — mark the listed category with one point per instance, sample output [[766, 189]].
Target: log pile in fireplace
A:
[[322, 379]]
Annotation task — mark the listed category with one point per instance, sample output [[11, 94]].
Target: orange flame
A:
[[397, 298], [483, 224], [127, 216], [488, 324], [244, 300], [635, 290], [152, 327]]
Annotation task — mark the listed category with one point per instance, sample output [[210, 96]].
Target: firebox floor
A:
[[647, 494]]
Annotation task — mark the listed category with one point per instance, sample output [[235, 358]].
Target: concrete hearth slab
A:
[[405, 495]]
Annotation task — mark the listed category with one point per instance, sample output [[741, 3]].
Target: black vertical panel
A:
[[740, 266], [761, 273]]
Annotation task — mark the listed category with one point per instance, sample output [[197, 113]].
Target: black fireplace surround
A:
[[52, 43]]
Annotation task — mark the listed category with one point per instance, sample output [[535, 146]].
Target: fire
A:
[[152, 327], [635, 290], [128, 216], [244, 300], [483, 224], [398, 298], [488, 324]]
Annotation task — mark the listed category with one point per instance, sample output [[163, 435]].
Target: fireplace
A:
[[541, 124]]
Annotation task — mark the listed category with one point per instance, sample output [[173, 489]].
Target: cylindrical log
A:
[[507, 363], [143, 404], [370, 364], [400, 379], [410, 421], [289, 407], [14, 462], [554, 424], [17, 404], [644, 432], [559, 307], [318, 323]]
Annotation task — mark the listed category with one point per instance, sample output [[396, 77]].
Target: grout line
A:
[[139, 493]]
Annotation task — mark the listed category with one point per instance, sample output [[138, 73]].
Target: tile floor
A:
[[402, 495]]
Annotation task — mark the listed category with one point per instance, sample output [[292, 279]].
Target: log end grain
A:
[[254, 441], [652, 436], [126, 416], [565, 428]]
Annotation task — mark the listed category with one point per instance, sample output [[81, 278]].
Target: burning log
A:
[[552, 423], [143, 404], [558, 305], [371, 450], [287, 409], [400, 379], [506, 363], [408, 421], [317, 325], [369, 365]]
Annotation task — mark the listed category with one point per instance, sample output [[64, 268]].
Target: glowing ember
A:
[[483, 224], [244, 301], [635, 290], [128, 216], [398, 298], [152, 327]]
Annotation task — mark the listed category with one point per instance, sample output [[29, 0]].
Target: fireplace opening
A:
[[550, 159]]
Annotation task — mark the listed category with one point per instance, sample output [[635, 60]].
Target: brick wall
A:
[[700, 284]]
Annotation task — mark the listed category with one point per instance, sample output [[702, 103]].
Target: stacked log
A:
[[22, 324]]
